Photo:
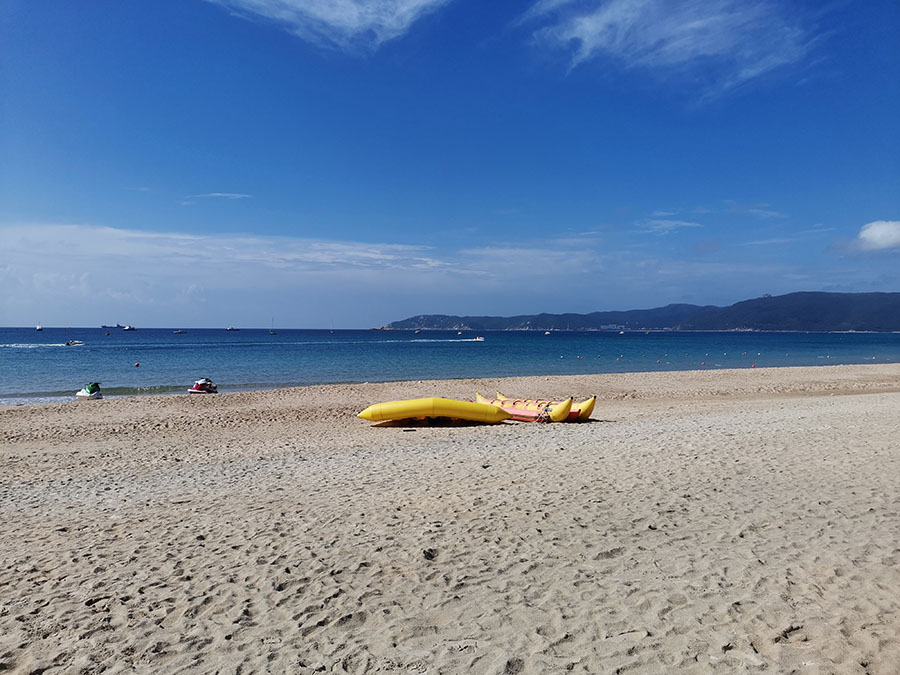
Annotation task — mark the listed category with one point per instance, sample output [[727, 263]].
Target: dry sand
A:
[[725, 522]]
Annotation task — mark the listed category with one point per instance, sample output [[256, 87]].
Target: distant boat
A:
[[179, 332], [129, 328], [479, 339], [118, 325], [232, 328], [74, 343], [39, 328]]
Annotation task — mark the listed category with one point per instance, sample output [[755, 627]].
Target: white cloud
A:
[[56, 259], [95, 274], [722, 43], [879, 235], [345, 24], [86, 275]]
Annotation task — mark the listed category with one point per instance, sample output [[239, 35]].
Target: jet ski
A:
[[203, 386], [90, 390], [74, 343]]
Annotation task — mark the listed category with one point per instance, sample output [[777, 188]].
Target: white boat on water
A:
[[39, 328], [129, 328]]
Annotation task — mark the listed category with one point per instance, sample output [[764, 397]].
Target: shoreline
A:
[[702, 521], [57, 398]]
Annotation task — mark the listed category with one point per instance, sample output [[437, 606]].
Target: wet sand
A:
[[722, 521]]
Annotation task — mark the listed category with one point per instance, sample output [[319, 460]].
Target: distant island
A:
[[804, 311]]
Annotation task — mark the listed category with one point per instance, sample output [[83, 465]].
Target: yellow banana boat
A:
[[578, 413], [530, 411], [419, 408]]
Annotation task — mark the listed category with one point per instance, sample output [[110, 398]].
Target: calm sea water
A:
[[37, 367]]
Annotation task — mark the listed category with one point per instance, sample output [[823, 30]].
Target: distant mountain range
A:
[[803, 311]]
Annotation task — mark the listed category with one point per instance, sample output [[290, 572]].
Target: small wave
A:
[[20, 345], [144, 391], [435, 340], [15, 399]]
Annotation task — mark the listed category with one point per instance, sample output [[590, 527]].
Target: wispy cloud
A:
[[719, 44], [190, 199], [775, 241], [513, 263], [879, 235], [350, 25], [791, 237], [665, 225], [760, 211], [763, 211], [220, 195], [162, 254], [816, 230], [766, 213]]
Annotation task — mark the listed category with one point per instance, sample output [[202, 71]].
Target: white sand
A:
[[728, 521]]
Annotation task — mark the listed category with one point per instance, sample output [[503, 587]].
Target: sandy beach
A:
[[721, 521]]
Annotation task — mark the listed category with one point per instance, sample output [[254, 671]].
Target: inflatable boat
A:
[[579, 412], [530, 411], [420, 408]]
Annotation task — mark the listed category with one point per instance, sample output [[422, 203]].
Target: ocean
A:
[[38, 367]]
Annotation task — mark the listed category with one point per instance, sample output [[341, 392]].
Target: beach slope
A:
[[724, 521]]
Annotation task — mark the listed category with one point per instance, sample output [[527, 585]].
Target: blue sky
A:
[[348, 163]]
